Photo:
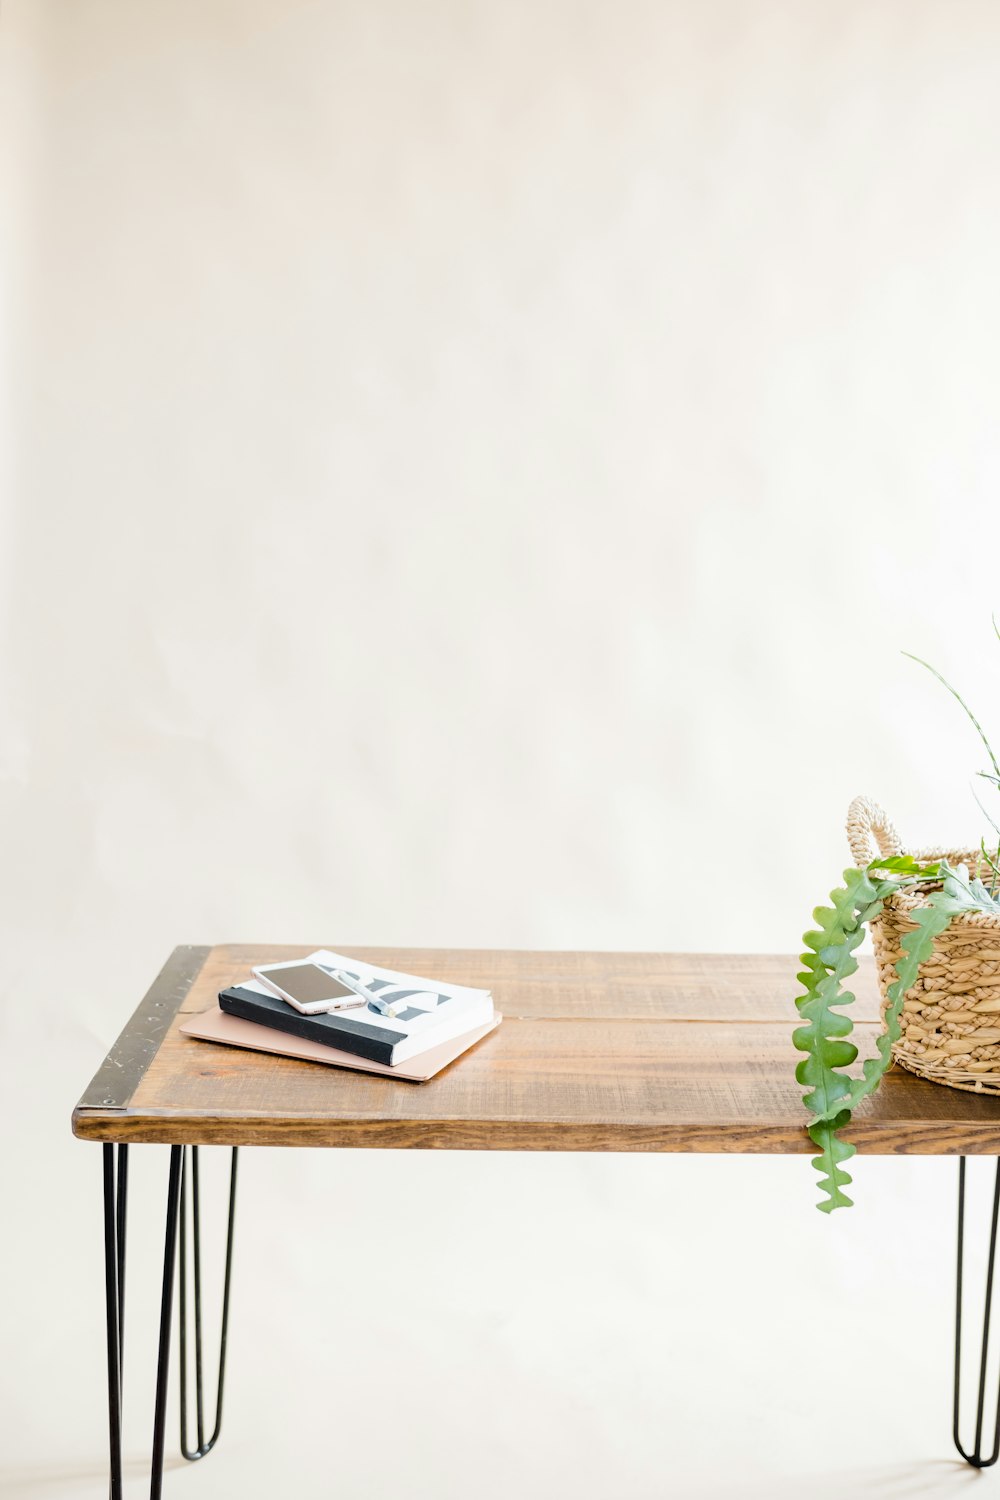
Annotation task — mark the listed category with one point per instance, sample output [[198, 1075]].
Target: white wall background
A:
[[470, 471]]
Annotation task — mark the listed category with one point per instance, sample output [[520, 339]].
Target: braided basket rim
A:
[[903, 902]]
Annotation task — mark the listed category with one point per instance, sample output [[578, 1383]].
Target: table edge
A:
[[780, 1138], [116, 1080]]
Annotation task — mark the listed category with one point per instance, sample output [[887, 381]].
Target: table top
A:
[[597, 1052]]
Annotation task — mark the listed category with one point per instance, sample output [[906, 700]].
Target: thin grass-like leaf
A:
[[957, 695]]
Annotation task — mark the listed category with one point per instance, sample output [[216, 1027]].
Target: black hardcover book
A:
[[341, 1029]]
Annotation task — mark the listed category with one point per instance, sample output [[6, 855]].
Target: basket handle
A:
[[866, 819]]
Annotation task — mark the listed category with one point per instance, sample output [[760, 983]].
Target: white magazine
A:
[[425, 1011]]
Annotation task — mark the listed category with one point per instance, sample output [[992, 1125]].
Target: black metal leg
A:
[[202, 1447], [120, 1219], [166, 1307], [976, 1457], [112, 1262], [115, 1195]]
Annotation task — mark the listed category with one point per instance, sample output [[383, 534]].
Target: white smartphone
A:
[[310, 988]]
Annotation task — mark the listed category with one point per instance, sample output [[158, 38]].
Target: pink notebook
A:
[[215, 1026]]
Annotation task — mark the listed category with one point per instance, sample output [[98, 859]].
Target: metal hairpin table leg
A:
[[114, 1293], [115, 1216], [115, 1196], [976, 1457], [203, 1447]]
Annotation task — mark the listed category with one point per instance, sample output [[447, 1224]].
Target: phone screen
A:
[[307, 983]]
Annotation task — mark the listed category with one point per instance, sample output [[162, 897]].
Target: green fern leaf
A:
[[829, 960], [931, 920], [833, 1152], [827, 963]]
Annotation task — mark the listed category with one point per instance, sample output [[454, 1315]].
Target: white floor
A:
[[429, 1325]]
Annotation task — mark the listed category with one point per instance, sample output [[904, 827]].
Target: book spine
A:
[[327, 1030]]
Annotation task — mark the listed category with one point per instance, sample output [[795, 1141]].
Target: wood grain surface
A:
[[598, 1052]]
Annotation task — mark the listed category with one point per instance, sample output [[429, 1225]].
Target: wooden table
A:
[[597, 1052]]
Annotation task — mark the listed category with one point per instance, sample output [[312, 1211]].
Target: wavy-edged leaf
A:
[[826, 964], [931, 920], [833, 1152]]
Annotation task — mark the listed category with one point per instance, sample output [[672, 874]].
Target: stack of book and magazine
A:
[[336, 1009]]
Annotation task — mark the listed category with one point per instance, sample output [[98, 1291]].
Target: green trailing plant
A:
[[829, 962], [832, 1093]]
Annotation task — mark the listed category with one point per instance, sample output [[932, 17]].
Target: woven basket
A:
[[951, 1017]]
